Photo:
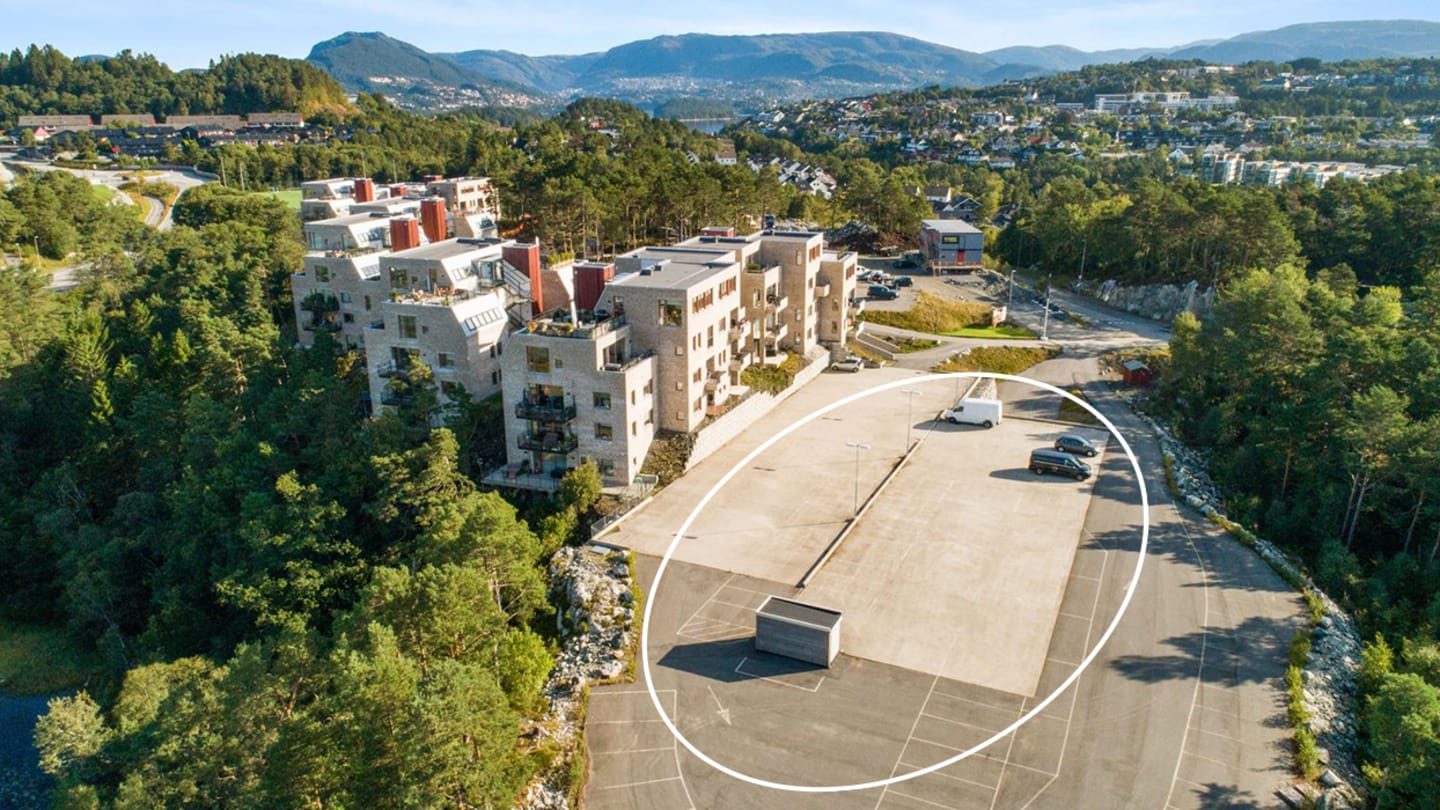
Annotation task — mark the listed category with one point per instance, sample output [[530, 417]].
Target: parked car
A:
[[903, 281], [1054, 461], [851, 364], [882, 293], [1070, 443]]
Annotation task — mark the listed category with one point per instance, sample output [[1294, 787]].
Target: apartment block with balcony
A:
[[679, 302], [576, 391], [767, 311], [448, 305], [834, 291], [798, 255], [340, 294]]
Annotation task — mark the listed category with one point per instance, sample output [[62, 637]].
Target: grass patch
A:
[[865, 354], [1003, 331], [37, 659], [905, 345], [998, 359], [933, 314], [289, 196], [103, 193], [1070, 412]]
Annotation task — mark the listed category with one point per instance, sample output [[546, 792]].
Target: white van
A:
[[984, 412]]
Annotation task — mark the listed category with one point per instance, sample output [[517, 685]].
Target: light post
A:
[[1084, 244], [910, 394], [1010, 299], [858, 447], [1045, 330]]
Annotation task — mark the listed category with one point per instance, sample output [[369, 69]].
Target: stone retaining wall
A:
[[716, 434]]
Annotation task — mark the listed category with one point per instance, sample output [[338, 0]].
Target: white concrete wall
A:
[[715, 435]]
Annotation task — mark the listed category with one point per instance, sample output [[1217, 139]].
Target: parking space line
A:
[[1190, 753], [908, 738], [1075, 616], [638, 784], [623, 722], [959, 723], [980, 702], [609, 692], [918, 799], [631, 751], [772, 680], [1218, 734], [730, 604], [949, 776]]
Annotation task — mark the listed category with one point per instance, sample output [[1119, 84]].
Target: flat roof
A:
[[949, 226], [789, 610], [446, 249]]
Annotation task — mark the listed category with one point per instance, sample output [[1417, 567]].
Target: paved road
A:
[[1184, 707], [157, 215]]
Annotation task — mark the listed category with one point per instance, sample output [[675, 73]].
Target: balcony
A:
[[549, 411], [397, 398], [321, 326], [776, 331], [739, 360], [739, 331], [713, 381], [822, 291], [551, 442], [392, 370], [775, 303], [634, 360]]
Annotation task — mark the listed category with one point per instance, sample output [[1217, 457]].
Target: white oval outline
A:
[[999, 735]]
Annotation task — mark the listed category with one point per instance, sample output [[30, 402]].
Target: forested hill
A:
[[41, 79]]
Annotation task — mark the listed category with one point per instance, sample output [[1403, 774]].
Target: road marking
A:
[[918, 799], [1204, 640], [638, 784], [1189, 753], [960, 723], [773, 680], [723, 712], [956, 778], [632, 751], [896, 769]]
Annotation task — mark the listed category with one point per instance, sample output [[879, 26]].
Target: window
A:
[[606, 468], [709, 337], [537, 359], [671, 312], [495, 377], [679, 386], [603, 432], [649, 387], [322, 273], [407, 325], [634, 428], [344, 298], [367, 303], [632, 397], [347, 317], [602, 400], [559, 363], [697, 375], [398, 279], [949, 240], [679, 350], [445, 360]]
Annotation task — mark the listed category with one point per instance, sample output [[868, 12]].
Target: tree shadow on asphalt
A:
[[1214, 796], [1226, 564], [1254, 652], [733, 661]]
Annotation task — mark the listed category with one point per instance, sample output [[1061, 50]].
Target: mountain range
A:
[[757, 68]]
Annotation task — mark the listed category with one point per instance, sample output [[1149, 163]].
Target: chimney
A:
[[590, 281], [364, 190], [398, 191], [432, 218], [404, 233], [718, 231], [526, 259]]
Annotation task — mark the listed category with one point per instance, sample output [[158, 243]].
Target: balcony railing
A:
[[321, 326], [395, 370], [775, 303], [549, 442], [397, 398], [585, 330], [628, 364], [545, 412], [822, 291]]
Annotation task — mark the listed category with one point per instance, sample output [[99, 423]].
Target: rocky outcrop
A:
[[1160, 302], [595, 615], [1330, 689]]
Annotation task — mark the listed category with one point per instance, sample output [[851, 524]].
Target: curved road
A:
[[1183, 708]]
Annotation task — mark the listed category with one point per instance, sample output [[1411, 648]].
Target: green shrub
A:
[[998, 359], [766, 379], [1307, 754]]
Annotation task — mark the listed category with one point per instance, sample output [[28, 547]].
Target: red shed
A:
[[1135, 372]]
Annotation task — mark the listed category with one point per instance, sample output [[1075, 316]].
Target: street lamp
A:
[[1045, 330], [858, 447], [910, 394], [1010, 300], [1085, 243]]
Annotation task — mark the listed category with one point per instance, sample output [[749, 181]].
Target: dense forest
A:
[[291, 603], [43, 80]]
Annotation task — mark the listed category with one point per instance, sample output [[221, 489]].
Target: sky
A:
[[189, 34]]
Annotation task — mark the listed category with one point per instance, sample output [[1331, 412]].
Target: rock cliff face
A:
[[1160, 302], [596, 616]]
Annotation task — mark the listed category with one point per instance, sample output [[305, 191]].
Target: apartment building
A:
[[576, 391], [951, 244], [657, 341]]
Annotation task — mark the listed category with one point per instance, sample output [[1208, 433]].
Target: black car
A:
[[903, 281], [1070, 443], [882, 293], [1051, 461]]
